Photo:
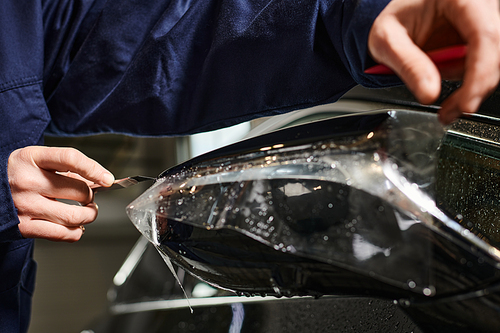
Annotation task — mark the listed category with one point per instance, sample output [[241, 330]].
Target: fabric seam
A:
[[36, 128], [19, 83]]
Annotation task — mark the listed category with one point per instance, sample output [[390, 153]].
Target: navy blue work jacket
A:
[[159, 67]]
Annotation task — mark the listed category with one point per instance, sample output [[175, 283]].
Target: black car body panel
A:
[[342, 255]]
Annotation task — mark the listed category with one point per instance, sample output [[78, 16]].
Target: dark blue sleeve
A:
[[23, 111], [191, 66], [167, 67], [23, 119]]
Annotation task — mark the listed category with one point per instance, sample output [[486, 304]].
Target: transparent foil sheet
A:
[[363, 201]]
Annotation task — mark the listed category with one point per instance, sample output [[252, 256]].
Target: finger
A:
[[479, 26], [50, 231], [69, 159], [59, 186], [476, 87], [391, 45], [76, 176], [59, 212]]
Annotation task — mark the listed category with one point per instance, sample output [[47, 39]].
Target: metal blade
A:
[[122, 183]]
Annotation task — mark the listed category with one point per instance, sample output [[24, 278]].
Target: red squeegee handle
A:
[[440, 57]]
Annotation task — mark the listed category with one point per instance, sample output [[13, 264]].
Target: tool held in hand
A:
[[122, 183], [440, 57]]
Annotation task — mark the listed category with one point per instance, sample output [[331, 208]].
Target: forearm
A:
[[211, 64]]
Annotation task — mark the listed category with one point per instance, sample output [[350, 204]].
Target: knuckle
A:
[[25, 182], [68, 217], [24, 228], [25, 205], [380, 37], [76, 216], [22, 170], [23, 154], [71, 156], [380, 34], [95, 171]]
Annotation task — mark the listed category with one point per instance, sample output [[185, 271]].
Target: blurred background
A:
[[73, 279]]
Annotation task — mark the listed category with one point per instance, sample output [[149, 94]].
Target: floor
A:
[[72, 282]]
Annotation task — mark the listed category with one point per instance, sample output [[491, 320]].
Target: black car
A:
[[326, 219]]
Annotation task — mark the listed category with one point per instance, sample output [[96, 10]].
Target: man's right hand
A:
[[406, 29]]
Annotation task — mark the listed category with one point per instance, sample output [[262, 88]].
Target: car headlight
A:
[[337, 206]]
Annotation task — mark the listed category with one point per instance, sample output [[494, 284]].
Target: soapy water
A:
[[388, 169]]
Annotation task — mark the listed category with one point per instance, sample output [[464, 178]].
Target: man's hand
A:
[[40, 175], [406, 29]]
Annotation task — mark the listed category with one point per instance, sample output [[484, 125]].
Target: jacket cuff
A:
[[9, 230], [357, 20], [20, 128]]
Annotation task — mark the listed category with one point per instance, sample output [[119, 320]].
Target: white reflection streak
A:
[[131, 262], [238, 317], [364, 250], [294, 189], [404, 223]]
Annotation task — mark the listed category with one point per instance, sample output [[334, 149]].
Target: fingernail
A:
[[108, 179]]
